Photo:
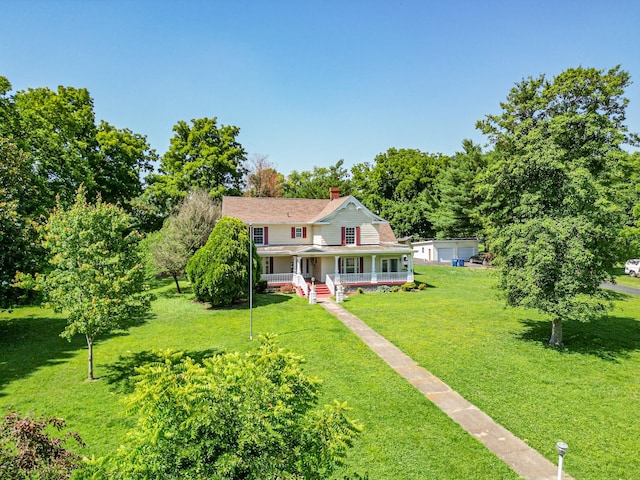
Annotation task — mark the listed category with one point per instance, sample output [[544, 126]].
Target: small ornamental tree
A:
[[96, 277], [219, 271], [233, 416], [27, 451]]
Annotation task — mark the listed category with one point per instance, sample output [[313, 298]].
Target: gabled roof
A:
[[279, 210], [272, 210]]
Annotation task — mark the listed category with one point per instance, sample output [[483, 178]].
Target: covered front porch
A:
[[350, 268]]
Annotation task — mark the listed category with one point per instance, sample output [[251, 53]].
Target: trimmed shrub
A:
[[219, 271], [408, 286]]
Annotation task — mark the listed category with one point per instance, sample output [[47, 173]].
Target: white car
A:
[[632, 267]]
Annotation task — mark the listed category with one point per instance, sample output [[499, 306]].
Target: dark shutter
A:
[[293, 232], [304, 232], [357, 235], [340, 263], [270, 264], [266, 235], [344, 236], [361, 264]]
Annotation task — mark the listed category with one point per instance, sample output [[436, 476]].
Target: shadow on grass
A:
[[610, 338], [259, 300], [172, 292], [120, 373], [32, 342]]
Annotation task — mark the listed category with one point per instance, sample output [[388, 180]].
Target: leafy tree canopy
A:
[[400, 179], [96, 277], [317, 182], [249, 416], [58, 131], [202, 156], [549, 196], [455, 214]]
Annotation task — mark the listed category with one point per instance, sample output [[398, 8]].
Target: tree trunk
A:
[[90, 345], [175, 278], [556, 333]]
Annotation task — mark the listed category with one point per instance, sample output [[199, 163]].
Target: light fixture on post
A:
[[562, 449]]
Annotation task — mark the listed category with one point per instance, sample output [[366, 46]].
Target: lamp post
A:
[[562, 449], [251, 281]]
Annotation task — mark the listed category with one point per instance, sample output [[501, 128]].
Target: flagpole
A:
[[250, 281]]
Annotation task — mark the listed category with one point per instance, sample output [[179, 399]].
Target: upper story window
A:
[[350, 235], [260, 235], [298, 232]]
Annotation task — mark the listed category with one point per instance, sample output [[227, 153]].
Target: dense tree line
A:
[[556, 152]]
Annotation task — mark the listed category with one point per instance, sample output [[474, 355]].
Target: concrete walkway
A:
[[524, 460]]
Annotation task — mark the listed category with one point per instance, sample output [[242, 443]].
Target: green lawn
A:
[[626, 280], [586, 395], [405, 436]]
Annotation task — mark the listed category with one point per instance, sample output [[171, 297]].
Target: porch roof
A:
[[319, 251]]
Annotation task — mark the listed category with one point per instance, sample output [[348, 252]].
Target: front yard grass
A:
[[586, 395], [405, 436]]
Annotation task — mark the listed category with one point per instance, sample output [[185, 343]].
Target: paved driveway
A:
[[621, 288]]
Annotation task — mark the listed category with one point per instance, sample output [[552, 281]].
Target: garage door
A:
[[445, 254], [465, 253]]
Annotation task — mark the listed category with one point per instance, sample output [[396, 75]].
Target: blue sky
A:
[[312, 82]]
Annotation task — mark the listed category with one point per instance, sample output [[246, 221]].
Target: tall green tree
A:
[[456, 213], [124, 158], [219, 271], [19, 249], [549, 196], [58, 131], [251, 416], [398, 182], [316, 183], [96, 277], [202, 156]]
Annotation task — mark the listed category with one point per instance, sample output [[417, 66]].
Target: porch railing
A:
[[330, 284], [278, 278], [393, 277], [365, 278]]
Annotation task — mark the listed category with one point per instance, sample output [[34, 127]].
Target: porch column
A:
[[374, 274], [298, 270], [410, 277], [336, 270]]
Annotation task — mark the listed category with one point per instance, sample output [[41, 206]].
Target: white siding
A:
[[349, 217], [281, 235]]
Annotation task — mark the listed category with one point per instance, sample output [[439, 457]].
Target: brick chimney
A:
[[334, 192]]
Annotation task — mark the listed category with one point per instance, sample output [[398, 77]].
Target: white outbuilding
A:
[[445, 250]]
